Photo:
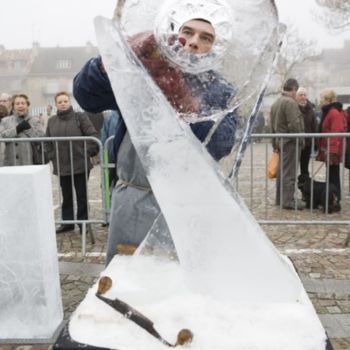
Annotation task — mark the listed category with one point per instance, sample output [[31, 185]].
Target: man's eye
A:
[[186, 32], [207, 39]]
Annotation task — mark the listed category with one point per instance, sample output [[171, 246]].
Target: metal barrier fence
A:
[[258, 191], [92, 217], [252, 184]]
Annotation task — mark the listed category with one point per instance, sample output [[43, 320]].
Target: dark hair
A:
[[201, 19], [290, 85], [22, 96]]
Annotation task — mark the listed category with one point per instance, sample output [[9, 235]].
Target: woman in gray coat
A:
[[72, 160], [20, 125]]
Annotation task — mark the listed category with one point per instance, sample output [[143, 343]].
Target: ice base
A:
[[30, 294], [156, 288]]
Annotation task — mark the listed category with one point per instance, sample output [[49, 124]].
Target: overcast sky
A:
[[70, 22]]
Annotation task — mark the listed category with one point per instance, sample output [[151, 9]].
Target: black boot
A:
[[65, 228]]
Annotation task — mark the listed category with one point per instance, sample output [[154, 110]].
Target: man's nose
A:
[[193, 42]]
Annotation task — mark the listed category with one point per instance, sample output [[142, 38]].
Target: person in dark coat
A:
[[286, 118], [310, 126], [68, 123], [134, 207], [333, 119]]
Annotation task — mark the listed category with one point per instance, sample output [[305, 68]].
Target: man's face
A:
[[301, 97], [5, 101], [199, 36]]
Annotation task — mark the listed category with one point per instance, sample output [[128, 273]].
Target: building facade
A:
[[41, 72]]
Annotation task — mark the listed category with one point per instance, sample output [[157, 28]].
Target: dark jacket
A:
[[310, 122], [97, 120], [92, 89], [69, 124]]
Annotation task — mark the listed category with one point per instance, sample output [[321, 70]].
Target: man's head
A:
[[199, 35], [301, 96], [290, 87], [203, 29], [6, 100]]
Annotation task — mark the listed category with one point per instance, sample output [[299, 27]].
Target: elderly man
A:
[[134, 207], [6, 101], [287, 118]]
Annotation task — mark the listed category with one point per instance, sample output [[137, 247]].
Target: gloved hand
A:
[[24, 125], [334, 159]]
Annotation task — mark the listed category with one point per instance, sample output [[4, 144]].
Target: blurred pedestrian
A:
[[109, 129], [6, 101], [310, 126], [3, 113]]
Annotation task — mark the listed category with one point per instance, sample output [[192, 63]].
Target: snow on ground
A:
[[157, 289]]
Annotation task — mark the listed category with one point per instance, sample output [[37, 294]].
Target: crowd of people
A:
[[71, 162], [293, 113]]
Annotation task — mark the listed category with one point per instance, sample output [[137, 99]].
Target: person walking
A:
[[70, 162], [287, 118]]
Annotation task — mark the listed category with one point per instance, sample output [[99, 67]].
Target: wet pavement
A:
[[320, 253]]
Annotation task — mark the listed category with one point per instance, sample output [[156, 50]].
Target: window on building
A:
[[18, 64], [63, 64]]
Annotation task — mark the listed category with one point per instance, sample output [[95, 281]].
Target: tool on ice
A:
[[105, 283]]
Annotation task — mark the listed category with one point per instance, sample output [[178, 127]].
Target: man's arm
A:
[[218, 95], [92, 88]]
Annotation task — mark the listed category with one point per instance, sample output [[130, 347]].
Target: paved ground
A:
[[319, 252]]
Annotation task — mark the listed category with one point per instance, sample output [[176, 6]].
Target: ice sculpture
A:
[[30, 294], [221, 277], [222, 250]]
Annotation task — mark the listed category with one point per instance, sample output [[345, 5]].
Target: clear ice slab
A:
[[222, 250], [30, 294]]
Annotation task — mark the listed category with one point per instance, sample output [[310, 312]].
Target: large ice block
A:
[[30, 294]]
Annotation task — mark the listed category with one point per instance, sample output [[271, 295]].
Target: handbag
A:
[[272, 166]]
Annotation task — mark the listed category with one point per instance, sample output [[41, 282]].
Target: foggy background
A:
[[70, 22]]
